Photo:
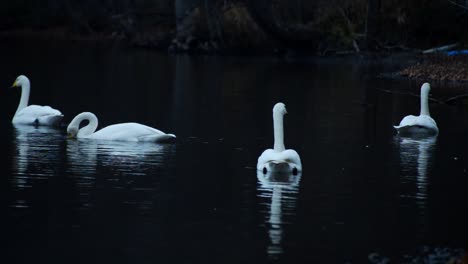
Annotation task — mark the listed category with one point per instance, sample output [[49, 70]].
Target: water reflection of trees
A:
[[280, 190]]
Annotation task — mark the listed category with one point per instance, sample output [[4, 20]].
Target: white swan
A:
[[122, 132], [279, 159], [33, 114], [422, 124]]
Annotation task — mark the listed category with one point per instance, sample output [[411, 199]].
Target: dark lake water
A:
[[365, 195]]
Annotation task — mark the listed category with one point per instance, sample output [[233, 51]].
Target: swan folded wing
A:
[[127, 132], [426, 121], [293, 159], [407, 121], [264, 158], [422, 121], [49, 119], [37, 114], [417, 125], [288, 156]]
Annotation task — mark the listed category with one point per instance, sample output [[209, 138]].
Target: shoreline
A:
[[417, 66], [438, 67]]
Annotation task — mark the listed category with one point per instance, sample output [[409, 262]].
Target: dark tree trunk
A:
[[299, 16], [213, 21], [293, 35], [184, 17], [372, 24]]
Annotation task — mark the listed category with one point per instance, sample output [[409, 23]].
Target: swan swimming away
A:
[[33, 114], [122, 132], [422, 124], [279, 159]]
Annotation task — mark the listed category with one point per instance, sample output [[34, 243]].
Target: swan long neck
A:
[[89, 128], [425, 101], [278, 131], [25, 90]]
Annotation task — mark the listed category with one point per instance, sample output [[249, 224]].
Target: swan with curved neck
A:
[[33, 114], [122, 132], [422, 124], [279, 159]]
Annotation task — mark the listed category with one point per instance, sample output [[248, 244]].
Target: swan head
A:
[[72, 131], [280, 108], [20, 81], [425, 88]]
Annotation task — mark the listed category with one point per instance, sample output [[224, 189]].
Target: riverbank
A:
[[438, 67], [58, 33], [432, 67]]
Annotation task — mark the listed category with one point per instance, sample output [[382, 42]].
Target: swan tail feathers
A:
[[158, 138], [49, 120], [416, 130]]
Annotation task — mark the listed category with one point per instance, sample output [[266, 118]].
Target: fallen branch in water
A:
[[442, 48], [458, 5], [412, 94], [447, 101], [384, 46], [455, 98]]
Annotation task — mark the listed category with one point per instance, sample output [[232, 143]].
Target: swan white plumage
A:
[[33, 114], [122, 132], [422, 124], [279, 159]]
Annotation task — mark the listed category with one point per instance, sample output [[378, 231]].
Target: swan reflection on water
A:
[[415, 159], [37, 150], [280, 190], [116, 163], [84, 154], [37, 156]]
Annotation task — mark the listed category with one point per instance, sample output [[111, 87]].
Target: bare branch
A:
[[458, 5], [451, 99], [412, 94], [447, 101]]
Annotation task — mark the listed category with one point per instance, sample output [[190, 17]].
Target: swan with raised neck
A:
[[279, 159], [425, 89], [422, 125], [279, 110], [23, 82], [33, 114]]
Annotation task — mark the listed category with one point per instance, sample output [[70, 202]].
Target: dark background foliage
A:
[[321, 26]]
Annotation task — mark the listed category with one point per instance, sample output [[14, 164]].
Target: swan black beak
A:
[[69, 135], [15, 84]]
